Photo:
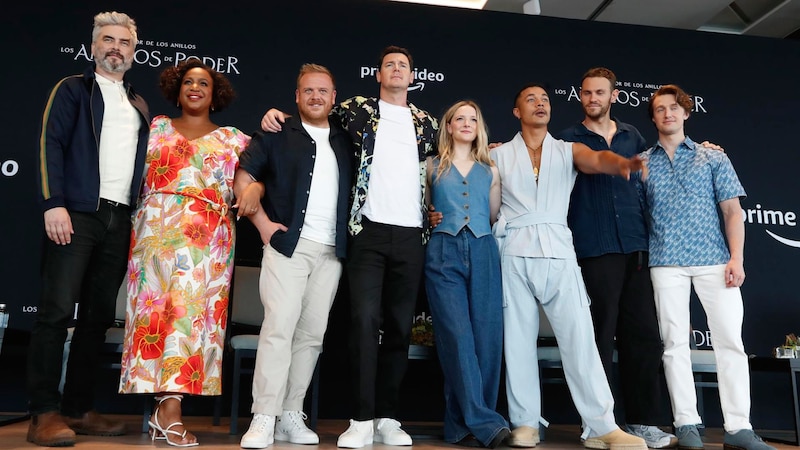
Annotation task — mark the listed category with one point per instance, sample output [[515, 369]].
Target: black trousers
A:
[[88, 271], [623, 307], [384, 269]]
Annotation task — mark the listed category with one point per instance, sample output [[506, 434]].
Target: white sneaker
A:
[[653, 436], [388, 431], [261, 431], [291, 427], [357, 435]]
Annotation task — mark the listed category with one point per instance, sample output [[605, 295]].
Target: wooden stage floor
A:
[[558, 437]]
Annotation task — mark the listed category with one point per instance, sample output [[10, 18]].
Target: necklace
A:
[[533, 151]]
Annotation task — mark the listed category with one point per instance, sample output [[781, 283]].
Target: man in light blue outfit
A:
[[539, 265]]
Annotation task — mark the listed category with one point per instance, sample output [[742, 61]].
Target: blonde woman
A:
[[462, 274]]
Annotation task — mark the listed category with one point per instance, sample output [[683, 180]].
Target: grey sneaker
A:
[[653, 436], [744, 440], [689, 438]]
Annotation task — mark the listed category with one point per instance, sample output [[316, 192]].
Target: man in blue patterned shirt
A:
[[685, 185]]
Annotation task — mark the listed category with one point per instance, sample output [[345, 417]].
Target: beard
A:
[[114, 67], [595, 114]]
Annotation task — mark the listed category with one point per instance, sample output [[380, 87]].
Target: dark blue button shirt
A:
[[605, 212], [284, 162]]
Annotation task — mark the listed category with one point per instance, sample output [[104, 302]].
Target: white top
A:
[[119, 136], [533, 219], [394, 196], [319, 224]]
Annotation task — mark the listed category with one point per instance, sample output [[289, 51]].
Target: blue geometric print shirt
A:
[[681, 198]]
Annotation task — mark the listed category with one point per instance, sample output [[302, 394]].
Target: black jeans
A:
[[623, 307], [384, 269], [88, 271]]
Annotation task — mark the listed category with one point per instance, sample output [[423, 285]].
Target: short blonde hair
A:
[[314, 68]]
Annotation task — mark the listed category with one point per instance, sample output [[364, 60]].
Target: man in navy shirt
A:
[[304, 174], [610, 237]]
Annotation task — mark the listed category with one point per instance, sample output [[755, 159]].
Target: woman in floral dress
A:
[[181, 255]]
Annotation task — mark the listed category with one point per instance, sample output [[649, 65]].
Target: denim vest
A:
[[463, 201]]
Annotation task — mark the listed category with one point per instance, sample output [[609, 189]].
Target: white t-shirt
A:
[[394, 195], [119, 137], [319, 224]]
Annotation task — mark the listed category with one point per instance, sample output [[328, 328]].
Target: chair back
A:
[[122, 301], [547, 347], [545, 329], [246, 307]]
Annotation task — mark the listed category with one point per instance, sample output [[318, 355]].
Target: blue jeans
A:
[[88, 271], [462, 275]]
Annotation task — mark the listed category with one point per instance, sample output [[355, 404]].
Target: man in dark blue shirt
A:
[[302, 176], [610, 236]]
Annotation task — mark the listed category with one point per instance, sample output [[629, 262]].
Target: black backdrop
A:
[[745, 86]]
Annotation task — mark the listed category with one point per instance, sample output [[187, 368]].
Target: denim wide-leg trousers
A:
[[463, 284]]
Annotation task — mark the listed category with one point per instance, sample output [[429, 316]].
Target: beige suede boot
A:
[[616, 440]]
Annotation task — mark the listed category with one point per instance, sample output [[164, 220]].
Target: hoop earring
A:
[[178, 103]]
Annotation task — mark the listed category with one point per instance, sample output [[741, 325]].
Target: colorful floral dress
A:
[[180, 263]]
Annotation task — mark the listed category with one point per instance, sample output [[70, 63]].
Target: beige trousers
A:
[[297, 294]]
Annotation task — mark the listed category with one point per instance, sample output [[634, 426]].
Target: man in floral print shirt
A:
[[392, 139]]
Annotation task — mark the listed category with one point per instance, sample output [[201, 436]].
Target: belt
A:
[[114, 204]]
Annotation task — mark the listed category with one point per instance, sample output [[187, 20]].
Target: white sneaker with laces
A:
[[357, 435], [653, 436], [261, 431], [291, 426], [388, 431]]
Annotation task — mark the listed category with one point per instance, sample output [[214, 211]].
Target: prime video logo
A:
[[772, 217], [421, 76]]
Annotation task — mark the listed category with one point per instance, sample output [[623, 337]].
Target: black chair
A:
[[704, 369]]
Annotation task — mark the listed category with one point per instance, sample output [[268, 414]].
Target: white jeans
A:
[[725, 312], [297, 294], [556, 284]]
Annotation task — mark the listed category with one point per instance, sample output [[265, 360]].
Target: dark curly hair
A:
[[171, 78]]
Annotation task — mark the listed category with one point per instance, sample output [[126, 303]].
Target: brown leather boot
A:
[[94, 424], [49, 430]]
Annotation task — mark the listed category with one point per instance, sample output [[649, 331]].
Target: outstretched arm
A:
[[607, 162]]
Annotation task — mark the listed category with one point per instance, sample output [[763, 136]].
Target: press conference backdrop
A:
[[745, 91]]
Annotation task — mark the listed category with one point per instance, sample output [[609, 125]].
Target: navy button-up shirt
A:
[[605, 212], [284, 162]]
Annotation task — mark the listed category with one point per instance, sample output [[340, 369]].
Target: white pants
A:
[[725, 312], [556, 284], [297, 294]]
